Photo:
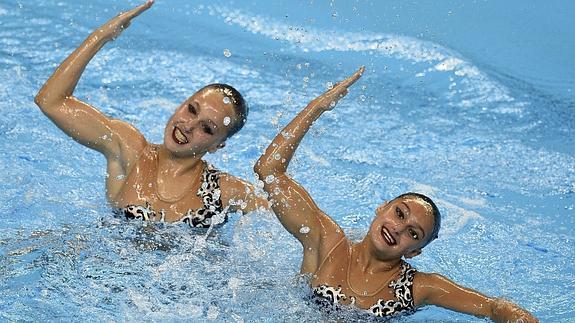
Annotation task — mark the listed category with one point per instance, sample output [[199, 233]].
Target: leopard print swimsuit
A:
[[402, 287], [403, 304], [211, 213]]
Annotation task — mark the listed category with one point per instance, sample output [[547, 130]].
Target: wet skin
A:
[[138, 172]]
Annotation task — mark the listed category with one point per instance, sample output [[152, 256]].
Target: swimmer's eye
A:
[[192, 109], [399, 212], [413, 234], [207, 129]]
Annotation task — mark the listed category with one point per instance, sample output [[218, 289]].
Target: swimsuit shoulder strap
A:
[[331, 251]]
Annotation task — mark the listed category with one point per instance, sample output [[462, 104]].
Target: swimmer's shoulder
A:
[[128, 141]]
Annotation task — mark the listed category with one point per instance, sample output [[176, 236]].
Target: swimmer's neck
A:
[[368, 261], [175, 166]]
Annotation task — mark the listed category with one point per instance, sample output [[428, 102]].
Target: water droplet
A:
[[362, 98], [227, 53], [120, 177], [329, 85], [212, 313], [277, 156], [227, 121], [304, 230], [269, 179], [227, 100], [306, 79]]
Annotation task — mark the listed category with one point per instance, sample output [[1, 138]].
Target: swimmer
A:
[[372, 274], [162, 182]]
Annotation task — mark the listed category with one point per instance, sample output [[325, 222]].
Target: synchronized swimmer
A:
[[372, 274], [167, 182], [170, 182]]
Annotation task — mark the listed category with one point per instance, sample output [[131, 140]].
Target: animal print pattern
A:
[[211, 213], [332, 295], [401, 305], [139, 212]]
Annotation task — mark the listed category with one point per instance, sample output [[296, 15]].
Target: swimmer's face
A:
[[401, 227], [200, 124]]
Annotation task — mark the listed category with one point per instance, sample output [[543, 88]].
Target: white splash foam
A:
[[456, 217], [478, 87], [316, 158]]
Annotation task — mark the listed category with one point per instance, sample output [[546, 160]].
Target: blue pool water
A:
[[469, 102]]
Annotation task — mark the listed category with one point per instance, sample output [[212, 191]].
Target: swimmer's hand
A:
[[506, 311], [329, 99], [114, 27]]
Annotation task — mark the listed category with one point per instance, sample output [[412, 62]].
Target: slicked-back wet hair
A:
[[240, 106], [436, 214]]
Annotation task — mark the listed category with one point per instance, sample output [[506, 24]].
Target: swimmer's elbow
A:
[[260, 168], [40, 99], [48, 98], [268, 165], [44, 100]]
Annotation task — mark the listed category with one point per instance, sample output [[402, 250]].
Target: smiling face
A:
[[200, 124], [401, 227]]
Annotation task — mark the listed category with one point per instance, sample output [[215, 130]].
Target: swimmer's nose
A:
[[397, 229], [188, 126]]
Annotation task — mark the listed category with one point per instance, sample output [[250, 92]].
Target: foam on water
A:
[[423, 118]]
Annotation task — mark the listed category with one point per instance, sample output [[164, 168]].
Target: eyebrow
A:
[[197, 106], [407, 207], [210, 123]]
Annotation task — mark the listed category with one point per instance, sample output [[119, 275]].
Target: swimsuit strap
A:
[[331, 251]]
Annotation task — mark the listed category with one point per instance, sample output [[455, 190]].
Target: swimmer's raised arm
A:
[[78, 119], [291, 203], [434, 289]]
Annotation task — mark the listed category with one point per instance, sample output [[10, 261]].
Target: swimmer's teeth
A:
[[180, 136], [388, 236]]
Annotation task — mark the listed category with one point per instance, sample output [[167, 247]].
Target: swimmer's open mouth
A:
[[387, 236], [179, 137]]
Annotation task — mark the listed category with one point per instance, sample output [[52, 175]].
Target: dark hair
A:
[[239, 104], [436, 214]]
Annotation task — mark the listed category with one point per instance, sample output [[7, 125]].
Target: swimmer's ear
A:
[[217, 147], [413, 253]]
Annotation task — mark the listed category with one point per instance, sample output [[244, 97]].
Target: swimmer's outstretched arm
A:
[[291, 203], [79, 120], [434, 289]]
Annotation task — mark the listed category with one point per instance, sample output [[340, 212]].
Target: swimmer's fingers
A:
[[353, 78], [131, 14], [329, 99], [340, 88], [113, 28]]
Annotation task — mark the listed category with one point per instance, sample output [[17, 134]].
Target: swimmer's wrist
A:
[[503, 310]]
